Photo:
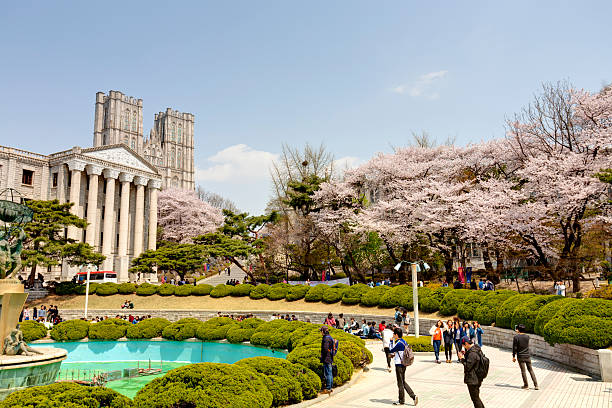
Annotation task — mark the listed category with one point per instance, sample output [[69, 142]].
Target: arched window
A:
[[179, 163], [180, 133], [134, 117], [133, 144], [126, 120], [172, 159]]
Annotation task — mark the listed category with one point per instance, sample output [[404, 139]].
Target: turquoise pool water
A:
[[171, 351], [89, 359]]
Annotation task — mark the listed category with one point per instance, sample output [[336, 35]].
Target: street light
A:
[[415, 292], [87, 290]]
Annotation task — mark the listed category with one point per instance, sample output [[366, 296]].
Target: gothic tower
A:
[[118, 119]]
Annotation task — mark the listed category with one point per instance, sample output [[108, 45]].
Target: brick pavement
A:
[[441, 386]]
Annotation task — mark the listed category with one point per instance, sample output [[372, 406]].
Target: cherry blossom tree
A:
[[183, 216]]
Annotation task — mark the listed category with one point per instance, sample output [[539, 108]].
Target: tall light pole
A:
[[414, 266], [87, 289]]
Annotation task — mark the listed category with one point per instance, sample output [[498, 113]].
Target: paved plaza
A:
[[441, 386]]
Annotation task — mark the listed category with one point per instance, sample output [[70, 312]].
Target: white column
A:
[[124, 230], [92, 204], [140, 183], [109, 218], [76, 168], [61, 184], [154, 186]]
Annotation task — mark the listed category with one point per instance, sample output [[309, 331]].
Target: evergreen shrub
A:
[[70, 330], [147, 328], [202, 289], [260, 291], [32, 330], [297, 292], [146, 289], [107, 289], [166, 289], [66, 395], [109, 329]]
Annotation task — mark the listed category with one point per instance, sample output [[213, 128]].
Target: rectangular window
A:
[[117, 244], [87, 184], [101, 236], [118, 214], [104, 187], [27, 177], [54, 182], [69, 179], [103, 207]]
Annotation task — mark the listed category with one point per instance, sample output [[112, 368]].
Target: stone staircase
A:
[[235, 273]]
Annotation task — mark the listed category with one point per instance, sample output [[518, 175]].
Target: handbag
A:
[[334, 370]]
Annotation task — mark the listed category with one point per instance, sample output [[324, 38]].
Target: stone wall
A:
[[578, 358]]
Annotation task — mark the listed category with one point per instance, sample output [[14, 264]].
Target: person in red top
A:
[[436, 338], [382, 326]]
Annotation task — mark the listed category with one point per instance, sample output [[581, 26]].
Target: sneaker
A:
[[326, 391], [536, 388], [398, 403], [438, 361], [525, 387], [416, 400], [389, 369]]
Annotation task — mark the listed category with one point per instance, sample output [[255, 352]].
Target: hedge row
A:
[[253, 382]]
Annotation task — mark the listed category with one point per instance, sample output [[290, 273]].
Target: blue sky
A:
[[357, 76]]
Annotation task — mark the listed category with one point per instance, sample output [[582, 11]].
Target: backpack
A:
[[398, 317], [482, 369], [407, 356]]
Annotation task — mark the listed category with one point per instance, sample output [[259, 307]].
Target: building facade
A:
[[114, 184]]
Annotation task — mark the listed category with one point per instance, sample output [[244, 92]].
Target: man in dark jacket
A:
[[470, 360], [327, 359], [520, 351]]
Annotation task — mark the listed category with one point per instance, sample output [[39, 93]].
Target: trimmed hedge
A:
[[243, 289], [126, 288], [65, 288], [183, 329], [166, 289], [309, 356], [297, 292], [215, 328], [398, 296], [221, 290], [109, 329], [278, 291], [80, 289], [146, 289], [66, 395], [506, 310], [243, 331], [548, 312], [422, 344], [333, 294], [202, 289], [452, 300], [260, 291], [70, 330], [275, 333], [586, 323], [206, 385], [372, 296], [487, 310], [352, 295], [147, 329], [527, 312], [431, 302], [183, 290], [32, 330], [315, 294], [467, 309], [288, 383], [107, 289]]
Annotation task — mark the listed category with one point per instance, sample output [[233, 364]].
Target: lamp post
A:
[[414, 266], [87, 290]]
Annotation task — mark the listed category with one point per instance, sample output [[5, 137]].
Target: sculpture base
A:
[[19, 372]]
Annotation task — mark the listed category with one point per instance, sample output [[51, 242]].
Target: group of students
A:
[[451, 332], [45, 315]]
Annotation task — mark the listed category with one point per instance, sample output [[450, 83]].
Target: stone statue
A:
[[15, 345], [10, 253], [14, 215]]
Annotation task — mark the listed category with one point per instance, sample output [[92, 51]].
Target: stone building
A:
[[114, 184]]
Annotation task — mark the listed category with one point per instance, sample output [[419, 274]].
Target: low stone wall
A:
[[578, 358]]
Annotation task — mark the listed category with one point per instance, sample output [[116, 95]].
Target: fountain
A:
[[20, 365]]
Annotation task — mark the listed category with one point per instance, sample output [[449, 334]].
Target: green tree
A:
[[238, 238], [180, 258], [46, 241]]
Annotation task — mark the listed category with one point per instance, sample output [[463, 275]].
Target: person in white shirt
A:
[[387, 336]]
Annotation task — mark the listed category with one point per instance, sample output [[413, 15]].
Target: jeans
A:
[[527, 363], [474, 391], [436, 346], [448, 350], [458, 347], [327, 373], [400, 374]]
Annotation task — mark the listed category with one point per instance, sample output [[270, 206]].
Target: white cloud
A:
[[347, 162], [236, 164], [424, 86]]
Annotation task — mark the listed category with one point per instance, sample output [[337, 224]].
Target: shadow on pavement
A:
[[383, 401], [518, 387]]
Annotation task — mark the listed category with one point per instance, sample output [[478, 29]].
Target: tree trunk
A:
[[499, 268], [486, 256]]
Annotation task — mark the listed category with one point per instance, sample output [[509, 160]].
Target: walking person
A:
[[520, 351], [387, 337], [327, 359], [470, 360], [447, 335], [397, 348], [436, 338], [405, 320]]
